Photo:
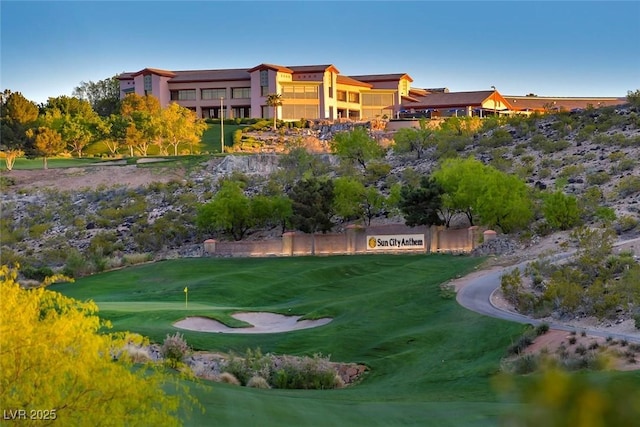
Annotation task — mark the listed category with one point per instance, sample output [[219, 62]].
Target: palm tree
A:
[[274, 100]]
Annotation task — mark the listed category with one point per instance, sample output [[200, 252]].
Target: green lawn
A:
[[211, 137], [431, 361]]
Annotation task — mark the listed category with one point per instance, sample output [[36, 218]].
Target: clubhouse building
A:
[[321, 92]]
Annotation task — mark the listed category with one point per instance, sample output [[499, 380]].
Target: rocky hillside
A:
[[83, 220]]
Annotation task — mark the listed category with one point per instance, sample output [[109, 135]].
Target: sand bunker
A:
[[263, 323]]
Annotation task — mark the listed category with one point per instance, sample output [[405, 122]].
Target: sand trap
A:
[[263, 323]]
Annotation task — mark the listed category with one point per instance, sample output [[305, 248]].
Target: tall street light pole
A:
[[495, 102], [222, 124]]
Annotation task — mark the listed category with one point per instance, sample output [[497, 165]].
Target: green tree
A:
[[422, 205], [74, 119], [181, 125], [357, 147], [312, 203], [374, 203], [17, 115], [499, 199], [47, 142], [274, 100], [103, 95], [410, 140], [68, 105], [114, 132], [57, 359], [229, 211], [271, 211], [561, 211], [298, 164], [504, 201], [77, 132], [633, 97], [143, 114], [348, 198], [461, 180]]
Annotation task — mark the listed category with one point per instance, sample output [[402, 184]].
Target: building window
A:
[[241, 92], [377, 99], [213, 93], [264, 82], [342, 95], [183, 95], [147, 83], [299, 92], [300, 111], [241, 112], [354, 97]]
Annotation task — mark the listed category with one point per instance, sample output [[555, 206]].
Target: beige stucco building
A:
[[309, 91], [321, 92]]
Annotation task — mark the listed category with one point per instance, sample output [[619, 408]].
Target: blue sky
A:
[[574, 48]]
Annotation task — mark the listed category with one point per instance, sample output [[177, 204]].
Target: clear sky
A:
[[550, 48]]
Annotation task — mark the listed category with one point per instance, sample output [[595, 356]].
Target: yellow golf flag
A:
[[186, 290]]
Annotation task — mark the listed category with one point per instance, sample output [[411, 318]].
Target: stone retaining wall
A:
[[355, 240]]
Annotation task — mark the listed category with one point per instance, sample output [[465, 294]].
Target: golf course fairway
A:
[[430, 362]]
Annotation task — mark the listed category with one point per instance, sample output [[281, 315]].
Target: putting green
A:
[[138, 306]]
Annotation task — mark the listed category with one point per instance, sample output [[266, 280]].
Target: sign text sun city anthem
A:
[[395, 242]]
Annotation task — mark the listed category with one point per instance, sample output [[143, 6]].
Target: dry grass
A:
[[228, 378]]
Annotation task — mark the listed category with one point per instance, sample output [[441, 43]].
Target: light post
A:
[[495, 104], [222, 124]]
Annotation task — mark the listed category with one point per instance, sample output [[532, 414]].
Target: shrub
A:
[[625, 164], [561, 211], [229, 378], [542, 329], [305, 373], [523, 342], [253, 364], [137, 353], [628, 185], [258, 382], [598, 178], [524, 364], [174, 349], [37, 230], [138, 258], [627, 223], [37, 273], [76, 265], [447, 291]]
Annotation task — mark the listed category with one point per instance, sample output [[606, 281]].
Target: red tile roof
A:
[[383, 77], [157, 71], [450, 99], [353, 82], [211, 75], [270, 67], [542, 103], [313, 68]]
